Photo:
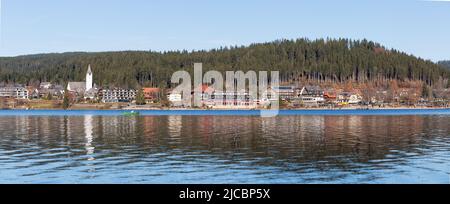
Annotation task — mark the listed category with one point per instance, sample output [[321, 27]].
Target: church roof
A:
[[89, 70], [78, 87]]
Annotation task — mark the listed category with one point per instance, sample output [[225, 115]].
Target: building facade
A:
[[82, 87], [117, 95], [231, 100], [89, 79], [347, 98], [151, 94], [284, 92], [311, 96], [14, 92]]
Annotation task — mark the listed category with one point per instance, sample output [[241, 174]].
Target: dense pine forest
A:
[[299, 61], [445, 64]]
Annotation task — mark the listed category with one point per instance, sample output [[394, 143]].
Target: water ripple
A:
[[225, 149]]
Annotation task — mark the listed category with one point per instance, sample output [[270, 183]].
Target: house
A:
[[329, 96], [30, 90], [204, 91], [151, 94], [311, 96], [348, 98], [117, 95], [45, 85], [34, 94], [284, 92], [230, 100], [175, 98], [56, 91], [16, 92], [312, 91], [92, 93]]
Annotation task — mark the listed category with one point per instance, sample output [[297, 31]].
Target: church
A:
[[87, 89]]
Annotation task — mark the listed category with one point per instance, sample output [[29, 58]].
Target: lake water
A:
[[348, 146]]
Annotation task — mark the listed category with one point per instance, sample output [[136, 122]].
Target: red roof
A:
[[206, 88], [150, 90]]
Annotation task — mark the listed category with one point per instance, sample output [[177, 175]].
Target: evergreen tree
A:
[[66, 99], [445, 64], [301, 60], [427, 92], [49, 96], [140, 97]]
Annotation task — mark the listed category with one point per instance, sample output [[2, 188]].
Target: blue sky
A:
[[29, 27]]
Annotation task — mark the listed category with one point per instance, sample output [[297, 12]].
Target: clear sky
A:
[[421, 28]]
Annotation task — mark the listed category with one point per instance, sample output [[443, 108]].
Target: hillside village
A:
[[87, 95]]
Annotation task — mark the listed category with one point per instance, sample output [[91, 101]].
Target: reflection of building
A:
[[118, 126], [22, 126], [174, 125], [88, 130], [150, 127]]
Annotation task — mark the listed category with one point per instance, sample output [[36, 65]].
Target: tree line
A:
[[299, 60], [445, 64]]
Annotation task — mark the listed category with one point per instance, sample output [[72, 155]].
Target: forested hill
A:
[[331, 61], [445, 64]]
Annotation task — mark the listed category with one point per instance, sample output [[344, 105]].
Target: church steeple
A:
[[89, 69], [89, 79]]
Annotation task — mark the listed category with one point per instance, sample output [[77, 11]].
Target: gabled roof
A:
[[45, 83], [204, 88], [150, 90], [79, 87], [313, 88]]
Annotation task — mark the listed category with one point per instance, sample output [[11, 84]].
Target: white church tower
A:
[[89, 79]]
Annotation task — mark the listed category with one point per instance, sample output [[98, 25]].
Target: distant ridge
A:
[[445, 63], [322, 60]]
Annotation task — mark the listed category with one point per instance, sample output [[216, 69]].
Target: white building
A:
[[349, 98], [45, 85], [311, 96], [117, 95], [284, 92], [87, 88], [175, 99], [89, 79], [226, 100], [14, 92]]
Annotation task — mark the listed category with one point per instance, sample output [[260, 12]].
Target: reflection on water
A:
[[225, 149], [88, 130]]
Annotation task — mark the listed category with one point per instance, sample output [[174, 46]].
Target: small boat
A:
[[131, 113]]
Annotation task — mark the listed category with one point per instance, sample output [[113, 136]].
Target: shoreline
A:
[[188, 109], [225, 113], [234, 109]]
